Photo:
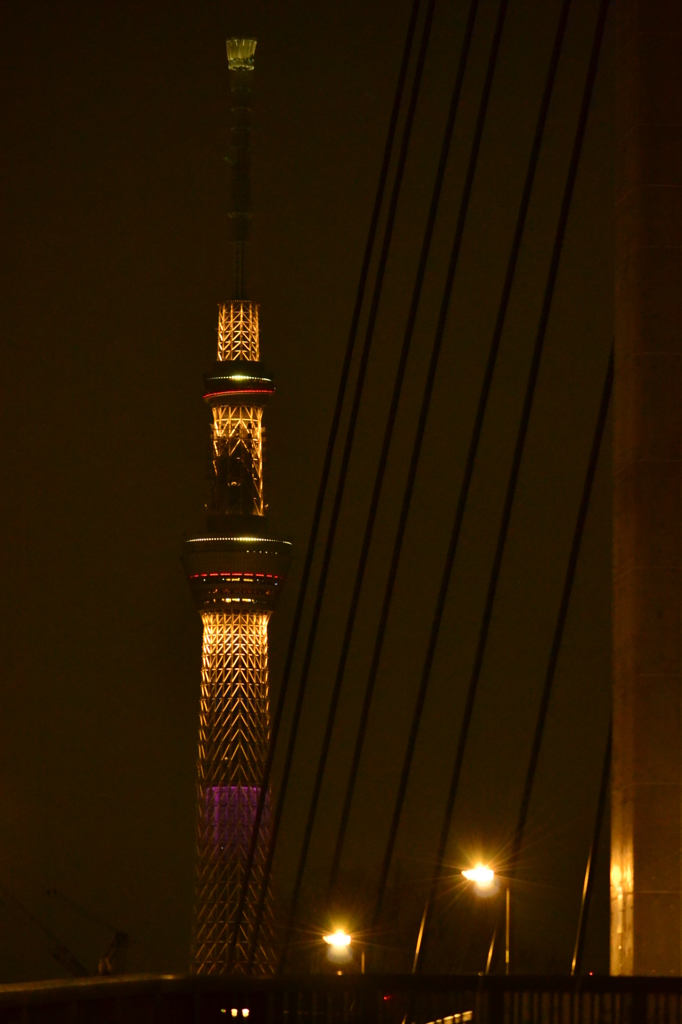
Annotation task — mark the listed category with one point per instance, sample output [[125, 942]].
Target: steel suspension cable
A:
[[474, 443], [588, 884], [345, 459], [421, 427], [329, 453], [514, 472], [381, 467], [560, 625]]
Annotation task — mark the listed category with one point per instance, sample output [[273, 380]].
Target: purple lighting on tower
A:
[[230, 814]]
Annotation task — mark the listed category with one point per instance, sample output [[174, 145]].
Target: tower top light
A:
[[240, 54]]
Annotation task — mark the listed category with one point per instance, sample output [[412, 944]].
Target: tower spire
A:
[[240, 59]]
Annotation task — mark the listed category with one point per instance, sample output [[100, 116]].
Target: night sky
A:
[[115, 198]]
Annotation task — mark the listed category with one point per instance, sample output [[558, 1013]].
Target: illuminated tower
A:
[[235, 570]]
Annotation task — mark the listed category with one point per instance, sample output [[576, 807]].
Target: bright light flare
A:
[[481, 874], [338, 940]]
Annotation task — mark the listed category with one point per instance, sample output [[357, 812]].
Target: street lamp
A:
[[483, 876], [338, 939], [338, 943]]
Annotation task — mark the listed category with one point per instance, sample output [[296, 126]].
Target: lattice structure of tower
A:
[[238, 336], [238, 459], [235, 570]]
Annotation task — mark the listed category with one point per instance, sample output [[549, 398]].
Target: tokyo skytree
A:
[[235, 571]]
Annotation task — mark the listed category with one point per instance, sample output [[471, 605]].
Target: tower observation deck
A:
[[235, 570]]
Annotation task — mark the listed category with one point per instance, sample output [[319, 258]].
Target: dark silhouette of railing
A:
[[346, 999]]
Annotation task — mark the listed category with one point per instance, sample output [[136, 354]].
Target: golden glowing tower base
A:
[[233, 737]]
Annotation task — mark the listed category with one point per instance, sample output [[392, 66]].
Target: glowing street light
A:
[[339, 951], [481, 875]]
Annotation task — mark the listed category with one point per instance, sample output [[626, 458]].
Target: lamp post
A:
[[483, 878], [507, 902]]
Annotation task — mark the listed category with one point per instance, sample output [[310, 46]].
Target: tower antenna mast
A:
[[240, 58]]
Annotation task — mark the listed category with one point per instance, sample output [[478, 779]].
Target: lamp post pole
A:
[[507, 917], [483, 876]]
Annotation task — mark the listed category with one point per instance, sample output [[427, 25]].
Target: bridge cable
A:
[[514, 474], [473, 447], [421, 427], [326, 468], [588, 885], [381, 468], [345, 460], [560, 626]]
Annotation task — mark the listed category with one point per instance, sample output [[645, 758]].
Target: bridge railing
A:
[[348, 999]]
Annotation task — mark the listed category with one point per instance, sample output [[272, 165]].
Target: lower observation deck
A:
[[239, 572]]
